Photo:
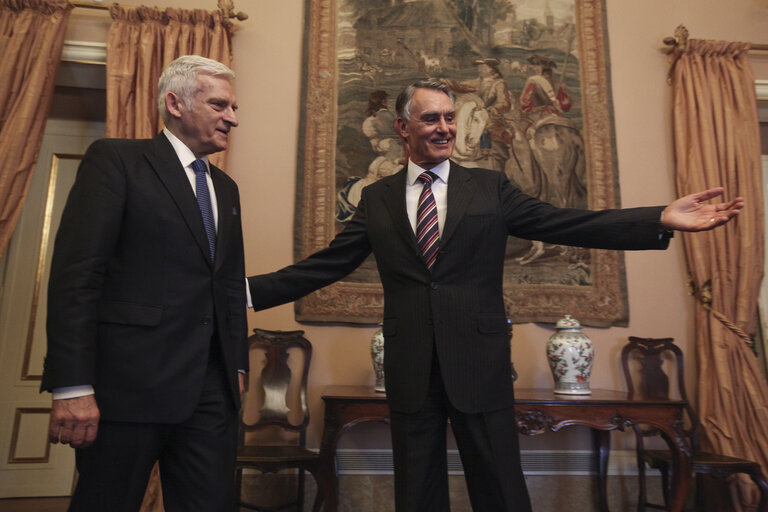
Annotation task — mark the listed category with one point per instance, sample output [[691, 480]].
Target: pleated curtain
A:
[[31, 40], [717, 142]]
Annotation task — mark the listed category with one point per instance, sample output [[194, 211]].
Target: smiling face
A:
[[431, 130], [204, 123]]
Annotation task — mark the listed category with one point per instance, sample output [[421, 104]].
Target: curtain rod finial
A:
[[679, 41], [681, 36], [677, 45], [227, 8]]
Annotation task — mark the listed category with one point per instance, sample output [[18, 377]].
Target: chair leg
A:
[[665, 484], [322, 489], [641, 491], [759, 479], [699, 492], [300, 492], [317, 505]]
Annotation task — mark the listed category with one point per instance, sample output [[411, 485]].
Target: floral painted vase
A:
[[570, 354], [377, 356]]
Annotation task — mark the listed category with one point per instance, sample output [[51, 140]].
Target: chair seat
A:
[[274, 454], [705, 462], [651, 354]]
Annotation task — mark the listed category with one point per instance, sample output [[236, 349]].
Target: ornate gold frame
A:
[[603, 303]]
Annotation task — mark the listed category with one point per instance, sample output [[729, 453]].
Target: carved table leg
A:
[[602, 445], [327, 473], [681, 469]]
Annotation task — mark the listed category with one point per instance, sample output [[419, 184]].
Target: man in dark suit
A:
[[146, 317], [446, 334]]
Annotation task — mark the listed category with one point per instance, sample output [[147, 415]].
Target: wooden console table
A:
[[538, 411]]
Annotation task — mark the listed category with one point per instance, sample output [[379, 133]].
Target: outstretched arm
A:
[[690, 213]]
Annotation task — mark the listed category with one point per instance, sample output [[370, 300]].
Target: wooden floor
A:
[[40, 505], [34, 504]]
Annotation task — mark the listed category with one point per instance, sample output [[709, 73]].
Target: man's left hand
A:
[[689, 213]]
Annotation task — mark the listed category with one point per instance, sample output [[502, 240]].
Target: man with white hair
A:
[[146, 317]]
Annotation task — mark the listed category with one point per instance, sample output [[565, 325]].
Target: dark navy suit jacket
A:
[[458, 307], [134, 297]]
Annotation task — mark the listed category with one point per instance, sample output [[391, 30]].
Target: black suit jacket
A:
[[459, 306], [133, 296]]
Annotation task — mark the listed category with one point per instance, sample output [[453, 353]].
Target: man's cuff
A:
[[72, 392], [664, 233]]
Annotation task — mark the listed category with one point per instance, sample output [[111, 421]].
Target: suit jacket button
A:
[[206, 321], [433, 286]]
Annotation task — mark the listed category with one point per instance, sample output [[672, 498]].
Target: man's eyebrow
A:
[[221, 101], [437, 113]]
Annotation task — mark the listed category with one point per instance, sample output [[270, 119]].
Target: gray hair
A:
[[180, 77], [403, 105]]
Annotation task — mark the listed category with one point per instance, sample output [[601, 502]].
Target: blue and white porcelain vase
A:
[[377, 356], [570, 355]]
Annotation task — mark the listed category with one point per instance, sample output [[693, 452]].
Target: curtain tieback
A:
[[704, 295]]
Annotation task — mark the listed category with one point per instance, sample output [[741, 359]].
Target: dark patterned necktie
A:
[[204, 202], [427, 231]]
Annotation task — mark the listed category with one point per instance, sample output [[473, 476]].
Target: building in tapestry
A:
[[425, 33]]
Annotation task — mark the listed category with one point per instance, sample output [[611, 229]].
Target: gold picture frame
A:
[[353, 48]]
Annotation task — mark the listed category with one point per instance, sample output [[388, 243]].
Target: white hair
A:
[[403, 104], [180, 77]]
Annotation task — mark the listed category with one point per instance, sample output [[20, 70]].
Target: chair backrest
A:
[[654, 382], [277, 390]]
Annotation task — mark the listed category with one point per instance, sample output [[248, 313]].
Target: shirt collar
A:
[[185, 155], [441, 170]]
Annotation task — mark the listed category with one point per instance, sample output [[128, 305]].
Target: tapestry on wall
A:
[[533, 101]]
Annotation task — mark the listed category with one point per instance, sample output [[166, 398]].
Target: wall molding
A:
[[761, 90], [535, 462]]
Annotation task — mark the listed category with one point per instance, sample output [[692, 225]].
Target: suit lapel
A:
[[166, 165], [394, 199], [227, 211], [460, 192]]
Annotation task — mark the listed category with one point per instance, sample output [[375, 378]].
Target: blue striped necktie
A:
[[204, 202], [427, 230]]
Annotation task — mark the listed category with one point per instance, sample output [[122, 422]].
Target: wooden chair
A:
[[277, 398], [654, 383]]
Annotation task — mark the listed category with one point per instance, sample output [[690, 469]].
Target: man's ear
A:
[[401, 127], [173, 104]]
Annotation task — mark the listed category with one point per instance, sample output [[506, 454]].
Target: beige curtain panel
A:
[[141, 43], [717, 143], [31, 39]]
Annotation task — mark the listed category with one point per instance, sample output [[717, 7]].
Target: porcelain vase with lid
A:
[[377, 356], [570, 355]]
